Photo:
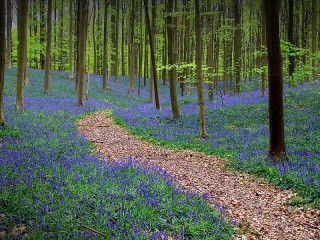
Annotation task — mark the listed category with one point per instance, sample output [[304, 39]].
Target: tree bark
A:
[[70, 40], [105, 59], [314, 35], [83, 26], [48, 49], [172, 79], [9, 26], [290, 39], [116, 65], [276, 121], [203, 132], [237, 45], [61, 37], [22, 50], [2, 55]]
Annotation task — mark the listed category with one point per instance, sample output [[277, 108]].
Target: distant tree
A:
[[83, 26], [22, 50], [2, 56], [104, 64], [9, 26], [203, 132], [314, 35], [264, 59], [70, 40], [276, 122], [48, 49], [210, 52], [116, 41], [42, 33], [290, 38], [172, 79], [152, 52], [237, 44]]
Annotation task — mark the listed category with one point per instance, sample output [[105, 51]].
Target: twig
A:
[[91, 229]]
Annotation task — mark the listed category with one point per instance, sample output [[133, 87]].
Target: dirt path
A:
[[250, 200]]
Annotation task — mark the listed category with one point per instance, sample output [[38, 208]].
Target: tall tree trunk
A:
[[116, 65], [22, 50], [83, 28], [237, 45], [2, 55], [61, 37], [151, 30], [314, 35], [263, 49], [70, 40], [105, 59], [276, 122], [123, 72], [42, 33], [210, 53], [291, 40], [203, 132], [48, 49], [131, 48], [172, 79], [9, 26]]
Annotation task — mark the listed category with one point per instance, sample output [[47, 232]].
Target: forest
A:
[[159, 119]]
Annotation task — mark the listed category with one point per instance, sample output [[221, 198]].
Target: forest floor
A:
[[259, 207]]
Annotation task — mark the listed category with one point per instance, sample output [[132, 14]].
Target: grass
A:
[[52, 187]]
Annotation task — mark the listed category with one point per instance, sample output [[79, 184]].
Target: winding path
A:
[[257, 205]]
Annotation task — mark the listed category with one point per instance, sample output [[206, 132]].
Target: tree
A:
[[203, 132], [9, 26], [290, 38], [172, 79], [2, 56], [276, 122], [152, 52], [104, 66], [22, 50], [237, 45], [70, 40], [210, 52], [83, 26], [48, 49], [314, 34]]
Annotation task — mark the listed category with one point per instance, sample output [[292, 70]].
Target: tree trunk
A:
[[9, 26], [22, 50], [210, 53], [2, 55], [172, 79], [42, 33], [263, 49], [276, 122], [48, 49], [83, 26], [151, 31], [61, 37], [105, 59], [314, 35], [131, 49], [291, 40], [237, 45], [116, 43], [203, 132], [70, 40]]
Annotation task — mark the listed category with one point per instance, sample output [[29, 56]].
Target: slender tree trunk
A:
[[210, 53], [116, 65], [88, 74], [151, 31], [123, 43], [314, 35], [276, 122], [203, 132], [22, 50], [48, 49], [42, 33], [77, 47], [237, 45], [9, 26], [290, 39], [172, 79], [70, 40], [105, 59], [263, 49], [145, 70], [61, 37], [83, 26], [131, 49], [2, 55]]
